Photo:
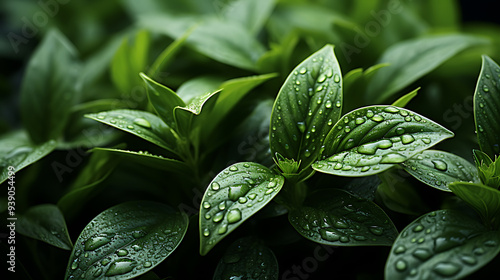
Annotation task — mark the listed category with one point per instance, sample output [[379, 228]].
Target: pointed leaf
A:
[[487, 108], [188, 118], [445, 244], [148, 159], [335, 217], [163, 99], [251, 14], [405, 99], [18, 151], [45, 222], [168, 54], [438, 169], [372, 139], [140, 123], [50, 88], [126, 241], [234, 195], [485, 200], [247, 258], [308, 104], [410, 60]]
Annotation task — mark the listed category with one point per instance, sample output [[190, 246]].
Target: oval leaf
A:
[[234, 195], [485, 200], [46, 223], [487, 107], [143, 124], [126, 241], [247, 258], [370, 140], [444, 244], [335, 217], [308, 104], [438, 169]]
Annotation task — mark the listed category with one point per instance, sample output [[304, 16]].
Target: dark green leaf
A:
[[190, 117], [45, 222], [167, 56], [487, 108], [441, 245], [16, 150], [307, 106], [355, 85], [410, 60], [218, 39], [251, 14], [335, 217], [150, 160], [234, 195], [372, 139], [163, 99], [129, 60], [143, 124], [247, 258], [485, 200], [438, 169], [50, 88], [126, 241]]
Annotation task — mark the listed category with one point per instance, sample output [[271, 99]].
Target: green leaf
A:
[[163, 99], [247, 258], [372, 139], [355, 85], [251, 14], [189, 118], [50, 88], [129, 60], [167, 55], [444, 244], [438, 169], [126, 241], [335, 217], [199, 86], [487, 107], [410, 60], [481, 158], [140, 123], [45, 222], [148, 159], [215, 38], [405, 99], [485, 200], [233, 196], [16, 150], [488, 170], [308, 104]]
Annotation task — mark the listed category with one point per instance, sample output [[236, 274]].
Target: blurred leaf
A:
[[355, 84], [405, 99], [189, 118], [45, 222], [251, 14], [50, 88], [199, 86], [412, 59], [17, 150], [126, 240], [487, 108], [335, 217]]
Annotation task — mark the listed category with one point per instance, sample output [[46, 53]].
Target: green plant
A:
[[226, 139]]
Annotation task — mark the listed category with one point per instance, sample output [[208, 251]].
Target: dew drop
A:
[[301, 126], [206, 205], [401, 265], [222, 205], [233, 168], [237, 191], [303, 71], [120, 266], [321, 78], [252, 196], [329, 235], [206, 232], [215, 186], [336, 78], [122, 252], [142, 122], [391, 109], [74, 265], [101, 117], [377, 118], [470, 260], [359, 121], [233, 216], [400, 249], [96, 242], [338, 104], [222, 229], [131, 127], [400, 130], [328, 104], [446, 268], [485, 88], [422, 254], [407, 139], [376, 230], [418, 228], [440, 165], [242, 199], [393, 158], [147, 264], [218, 217]]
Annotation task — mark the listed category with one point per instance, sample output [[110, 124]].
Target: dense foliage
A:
[[249, 139]]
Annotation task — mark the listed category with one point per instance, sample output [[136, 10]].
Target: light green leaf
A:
[[168, 54], [247, 258], [307, 106], [126, 241], [45, 222], [438, 169], [50, 88], [163, 99], [18, 151], [372, 139], [215, 38], [189, 118], [199, 86], [148, 159], [410, 60], [129, 60], [405, 99], [234, 195], [140, 123], [488, 170], [355, 84], [335, 217], [487, 108], [251, 14], [445, 244], [485, 200]]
